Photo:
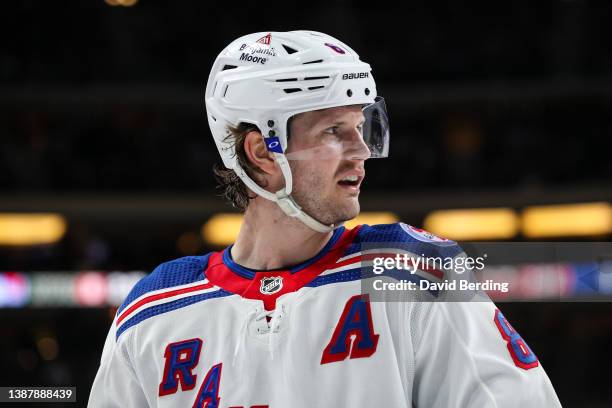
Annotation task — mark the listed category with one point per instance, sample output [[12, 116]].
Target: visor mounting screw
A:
[[367, 91], [270, 123], [349, 93], [271, 133]]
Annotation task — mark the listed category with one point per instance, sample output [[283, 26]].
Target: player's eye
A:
[[332, 130]]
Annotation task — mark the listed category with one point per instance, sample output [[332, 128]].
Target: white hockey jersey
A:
[[203, 331]]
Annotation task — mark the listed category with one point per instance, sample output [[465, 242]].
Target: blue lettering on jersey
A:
[[356, 319], [181, 358], [208, 396]]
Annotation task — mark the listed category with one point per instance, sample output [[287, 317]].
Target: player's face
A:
[[326, 153]]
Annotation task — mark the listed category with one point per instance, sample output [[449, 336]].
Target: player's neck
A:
[[268, 239]]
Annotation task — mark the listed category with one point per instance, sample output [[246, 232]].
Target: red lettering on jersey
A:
[[356, 320]]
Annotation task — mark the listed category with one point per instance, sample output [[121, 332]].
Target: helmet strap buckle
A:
[[287, 204]]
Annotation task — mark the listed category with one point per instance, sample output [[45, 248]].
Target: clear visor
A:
[[350, 138]]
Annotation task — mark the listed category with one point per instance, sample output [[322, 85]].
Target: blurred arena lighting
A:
[[21, 229], [531, 282], [222, 229], [567, 220], [51, 289], [372, 218], [91, 289], [119, 285], [473, 224], [47, 348], [66, 289], [14, 289], [124, 3]]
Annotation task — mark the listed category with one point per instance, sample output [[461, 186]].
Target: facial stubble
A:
[[311, 190]]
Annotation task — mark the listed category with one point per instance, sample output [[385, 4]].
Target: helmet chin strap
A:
[[283, 196]]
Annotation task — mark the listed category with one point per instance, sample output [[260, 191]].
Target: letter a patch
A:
[[208, 396], [356, 320]]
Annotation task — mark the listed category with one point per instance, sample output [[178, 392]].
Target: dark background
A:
[[102, 119]]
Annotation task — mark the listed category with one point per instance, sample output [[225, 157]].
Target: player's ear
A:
[[257, 154]]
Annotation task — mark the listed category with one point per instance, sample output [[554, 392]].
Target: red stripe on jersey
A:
[[369, 257], [158, 296]]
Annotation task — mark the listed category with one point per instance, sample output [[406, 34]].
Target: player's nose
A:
[[355, 147]]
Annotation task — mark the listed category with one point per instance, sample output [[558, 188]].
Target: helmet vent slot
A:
[[313, 78], [225, 91], [292, 90], [312, 88], [226, 67], [313, 62], [286, 80], [289, 49]]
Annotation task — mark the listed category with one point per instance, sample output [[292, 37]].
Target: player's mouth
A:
[[351, 180]]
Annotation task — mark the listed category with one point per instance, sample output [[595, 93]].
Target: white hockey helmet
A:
[[266, 78]]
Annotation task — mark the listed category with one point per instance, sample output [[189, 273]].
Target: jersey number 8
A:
[[519, 350]]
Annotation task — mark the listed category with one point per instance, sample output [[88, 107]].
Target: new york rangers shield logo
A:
[[271, 285], [425, 236]]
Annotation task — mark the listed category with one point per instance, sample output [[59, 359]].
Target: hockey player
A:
[[279, 319]]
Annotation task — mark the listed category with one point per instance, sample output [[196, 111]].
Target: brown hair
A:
[[233, 188]]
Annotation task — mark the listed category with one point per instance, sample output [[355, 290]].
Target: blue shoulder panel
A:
[[181, 271], [177, 272], [402, 236], [394, 236]]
